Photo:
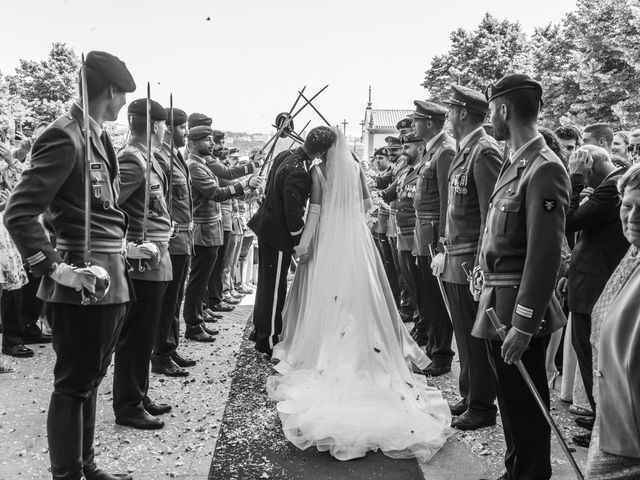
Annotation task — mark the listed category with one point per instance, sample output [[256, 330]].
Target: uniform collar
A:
[[433, 141], [95, 128], [521, 150], [468, 137]]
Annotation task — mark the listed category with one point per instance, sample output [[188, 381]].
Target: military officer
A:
[[430, 202], [405, 125], [208, 236], [519, 260], [84, 335], [166, 359], [471, 178]]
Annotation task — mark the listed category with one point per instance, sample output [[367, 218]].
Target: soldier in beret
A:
[[471, 177], [405, 125], [519, 260], [430, 202], [150, 270], [166, 359], [208, 233], [84, 336]]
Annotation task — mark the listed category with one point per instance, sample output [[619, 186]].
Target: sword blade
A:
[[87, 164], [441, 287], [171, 160], [147, 176]]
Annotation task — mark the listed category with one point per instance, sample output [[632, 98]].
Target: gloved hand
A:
[[257, 158], [476, 282], [142, 251], [69, 276], [255, 181], [437, 264]]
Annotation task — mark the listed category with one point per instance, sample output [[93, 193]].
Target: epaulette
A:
[[487, 141], [548, 154]]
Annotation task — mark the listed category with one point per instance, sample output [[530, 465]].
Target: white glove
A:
[[254, 181], [142, 251], [66, 275], [437, 264]]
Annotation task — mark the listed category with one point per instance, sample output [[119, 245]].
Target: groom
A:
[[278, 224]]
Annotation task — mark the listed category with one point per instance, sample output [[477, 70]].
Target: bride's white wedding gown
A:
[[345, 381]]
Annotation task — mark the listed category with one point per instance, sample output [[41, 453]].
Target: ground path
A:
[[248, 442]]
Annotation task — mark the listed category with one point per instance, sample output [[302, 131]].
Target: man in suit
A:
[[165, 359], [471, 178], [519, 260], [430, 202], [278, 224], [84, 335], [599, 248]]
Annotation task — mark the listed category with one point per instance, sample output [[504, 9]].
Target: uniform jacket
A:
[[403, 191], [133, 165], [432, 185], [207, 195], [471, 179], [383, 211], [279, 220], [524, 237], [617, 373], [600, 245], [181, 242], [386, 182], [54, 185]]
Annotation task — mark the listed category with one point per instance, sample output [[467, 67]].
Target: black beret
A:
[[511, 83], [428, 111], [381, 151], [112, 68], [393, 142], [199, 132], [468, 98], [217, 134], [196, 119], [179, 116], [410, 138], [139, 107], [404, 124]]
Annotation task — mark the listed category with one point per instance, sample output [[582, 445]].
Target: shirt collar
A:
[[521, 150], [466, 139], [433, 141], [97, 129]]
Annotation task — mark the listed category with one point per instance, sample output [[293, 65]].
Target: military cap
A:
[[468, 98], [199, 132], [196, 119], [139, 107], [112, 68], [410, 138], [233, 150], [393, 142], [428, 111], [381, 151], [217, 134], [404, 124], [179, 116], [512, 83]]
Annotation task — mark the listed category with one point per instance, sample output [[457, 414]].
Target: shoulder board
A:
[[487, 141], [547, 154], [130, 151]]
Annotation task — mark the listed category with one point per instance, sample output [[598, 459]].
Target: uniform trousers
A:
[[202, 265], [12, 324], [386, 255], [527, 433], [409, 273], [405, 303], [83, 338], [434, 324], [273, 266], [216, 279], [231, 253], [134, 347], [168, 336], [476, 381], [580, 339]]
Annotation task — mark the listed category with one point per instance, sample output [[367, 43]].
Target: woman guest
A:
[[615, 445], [619, 149]]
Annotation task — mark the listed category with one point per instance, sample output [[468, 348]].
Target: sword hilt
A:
[[497, 324]]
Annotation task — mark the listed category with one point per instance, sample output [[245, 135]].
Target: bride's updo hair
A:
[[319, 140]]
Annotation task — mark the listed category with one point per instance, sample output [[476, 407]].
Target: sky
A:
[[245, 65]]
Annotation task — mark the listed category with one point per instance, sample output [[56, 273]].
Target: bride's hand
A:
[[301, 253]]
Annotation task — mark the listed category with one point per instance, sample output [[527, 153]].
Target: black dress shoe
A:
[[166, 366], [458, 408], [210, 331], [39, 338], [209, 316], [92, 472], [197, 333], [472, 421], [19, 351], [181, 361], [253, 335], [582, 440], [221, 307], [585, 422], [154, 408], [434, 370], [231, 301], [142, 421]]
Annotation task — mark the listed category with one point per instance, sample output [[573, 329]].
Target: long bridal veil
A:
[[345, 382]]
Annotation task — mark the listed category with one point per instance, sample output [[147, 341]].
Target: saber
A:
[[441, 286], [285, 124], [292, 135], [170, 196], [300, 135], [87, 166], [501, 329], [315, 109], [147, 180]]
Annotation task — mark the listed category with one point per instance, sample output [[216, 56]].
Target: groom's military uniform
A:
[[278, 223], [471, 179], [430, 202]]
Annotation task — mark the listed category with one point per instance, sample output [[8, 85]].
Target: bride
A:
[[345, 382]]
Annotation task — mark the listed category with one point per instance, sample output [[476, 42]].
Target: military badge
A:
[[549, 205]]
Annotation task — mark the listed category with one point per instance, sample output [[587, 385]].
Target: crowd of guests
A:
[[435, 186]]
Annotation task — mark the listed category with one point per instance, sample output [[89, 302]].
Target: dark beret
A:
[[179, 116], [139, 107], [468, 98], [196, 119], [428, 111], [404, 124], [199, 132], [217, 134], [511, 83], [381, 151], [393, 142], [410, 138], [112, 68]]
